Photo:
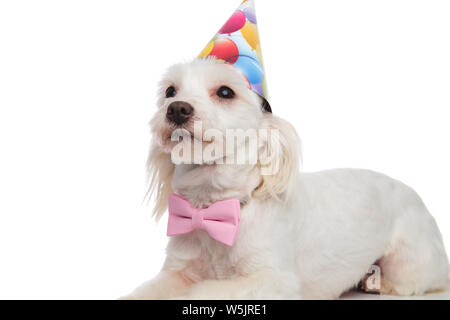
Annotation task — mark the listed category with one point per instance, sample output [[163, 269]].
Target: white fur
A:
[[303, 235]]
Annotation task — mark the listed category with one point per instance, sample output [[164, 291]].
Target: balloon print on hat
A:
[[244, 48], [207, 50], [250, 33], [251, 69], [258, 88], [235, 23], [250, 14], [225, 49]]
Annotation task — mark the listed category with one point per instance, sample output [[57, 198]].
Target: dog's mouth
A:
[[183, 134], [188, 143]]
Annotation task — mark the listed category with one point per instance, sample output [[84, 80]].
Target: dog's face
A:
[[212, 94]]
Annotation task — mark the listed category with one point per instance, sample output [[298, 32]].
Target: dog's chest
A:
[[200, 257], [215, 260]]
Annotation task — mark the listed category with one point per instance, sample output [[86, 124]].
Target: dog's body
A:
[[303, 235]]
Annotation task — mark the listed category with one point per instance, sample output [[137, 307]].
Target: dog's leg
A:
[[258, 286], [405, 273], [416, 262], [166, 285]]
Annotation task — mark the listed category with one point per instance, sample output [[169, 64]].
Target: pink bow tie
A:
[[221, 220]]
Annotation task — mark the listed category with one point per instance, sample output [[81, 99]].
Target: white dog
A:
[[302, 235]]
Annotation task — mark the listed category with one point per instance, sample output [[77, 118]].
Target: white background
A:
[[366, 83]]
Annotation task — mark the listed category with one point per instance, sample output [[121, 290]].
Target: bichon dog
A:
[[300, 235]]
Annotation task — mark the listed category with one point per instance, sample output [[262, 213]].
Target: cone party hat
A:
[[237, 43]]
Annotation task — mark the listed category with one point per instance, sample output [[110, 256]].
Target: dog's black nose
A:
[[179, 112]]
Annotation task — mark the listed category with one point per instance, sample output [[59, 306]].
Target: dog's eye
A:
[[225, 93], [171, 92]]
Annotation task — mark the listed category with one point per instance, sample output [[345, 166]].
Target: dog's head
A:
[[206, 91], [205, 96]]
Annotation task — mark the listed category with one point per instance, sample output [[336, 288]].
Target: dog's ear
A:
[[279, 157], [160, 172]]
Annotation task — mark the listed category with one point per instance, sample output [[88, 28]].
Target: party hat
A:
[[237, 43]]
